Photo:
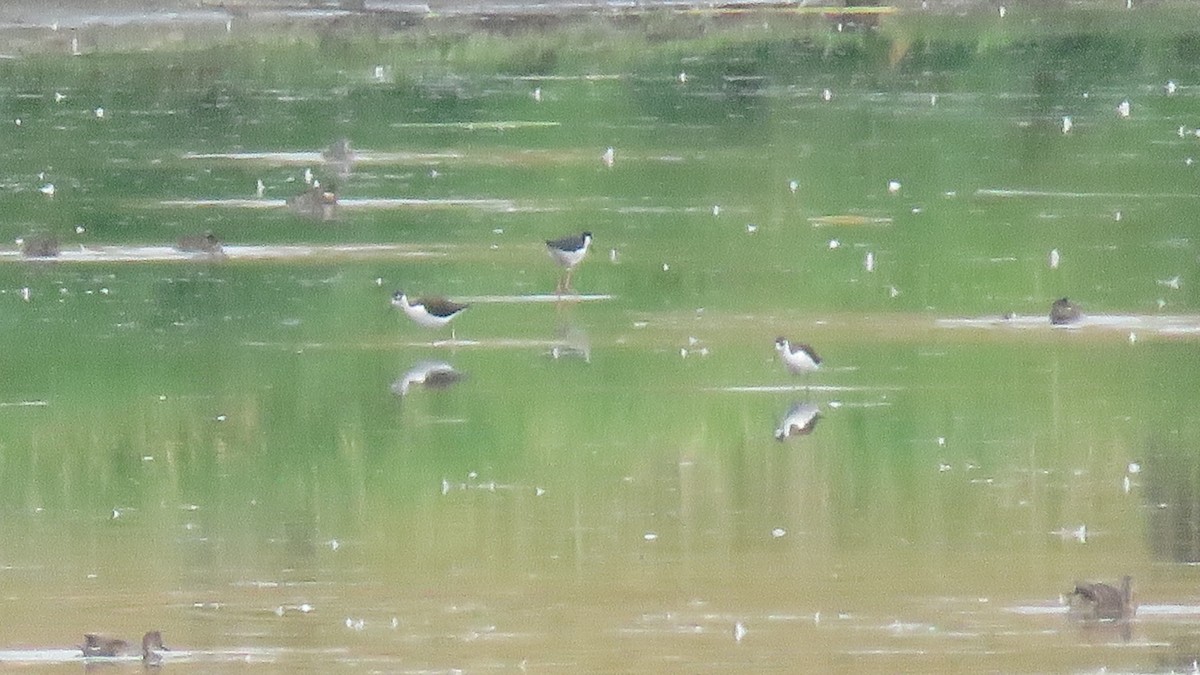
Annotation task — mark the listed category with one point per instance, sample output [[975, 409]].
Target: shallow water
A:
[[256, 454]]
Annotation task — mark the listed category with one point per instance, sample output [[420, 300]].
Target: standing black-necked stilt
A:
[[799, 359], [1063, 311], [569, 252], [1102, 602], [429, 312], [800, 420]]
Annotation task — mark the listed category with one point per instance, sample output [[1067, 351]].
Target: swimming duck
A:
[[206, 243], [39, 246], [1063, 312], [1102, 602]]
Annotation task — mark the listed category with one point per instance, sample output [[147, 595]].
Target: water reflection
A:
[[800, 420], [571, 342], [339, 157], [429, 374]]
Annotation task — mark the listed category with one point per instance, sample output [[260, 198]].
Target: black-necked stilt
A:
[[1102, 602], [430, 374], [799, 359], [800, 420], [1063, 311], [569, 252], [429, 312]]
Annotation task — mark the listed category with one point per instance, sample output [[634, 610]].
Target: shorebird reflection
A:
[[571, 342], [801, 420], [429, 374]]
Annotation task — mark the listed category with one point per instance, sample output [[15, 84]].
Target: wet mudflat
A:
[[242, 443]]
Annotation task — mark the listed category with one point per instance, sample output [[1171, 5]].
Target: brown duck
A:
[[1102, 602]]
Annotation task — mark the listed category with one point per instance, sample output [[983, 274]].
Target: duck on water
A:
[[1094, 601]]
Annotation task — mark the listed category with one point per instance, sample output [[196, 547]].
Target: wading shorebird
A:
[[800, 359], [429, 312], [99, 646], [568, 252], [1102, 602]]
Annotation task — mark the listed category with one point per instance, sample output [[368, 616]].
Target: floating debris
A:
[[1172, 283]]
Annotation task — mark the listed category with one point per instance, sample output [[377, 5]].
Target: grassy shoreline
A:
[[77, 28]]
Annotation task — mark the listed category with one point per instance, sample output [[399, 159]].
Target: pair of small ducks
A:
[[47, 246], [436, 311], [315, 203], [99, 646]]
